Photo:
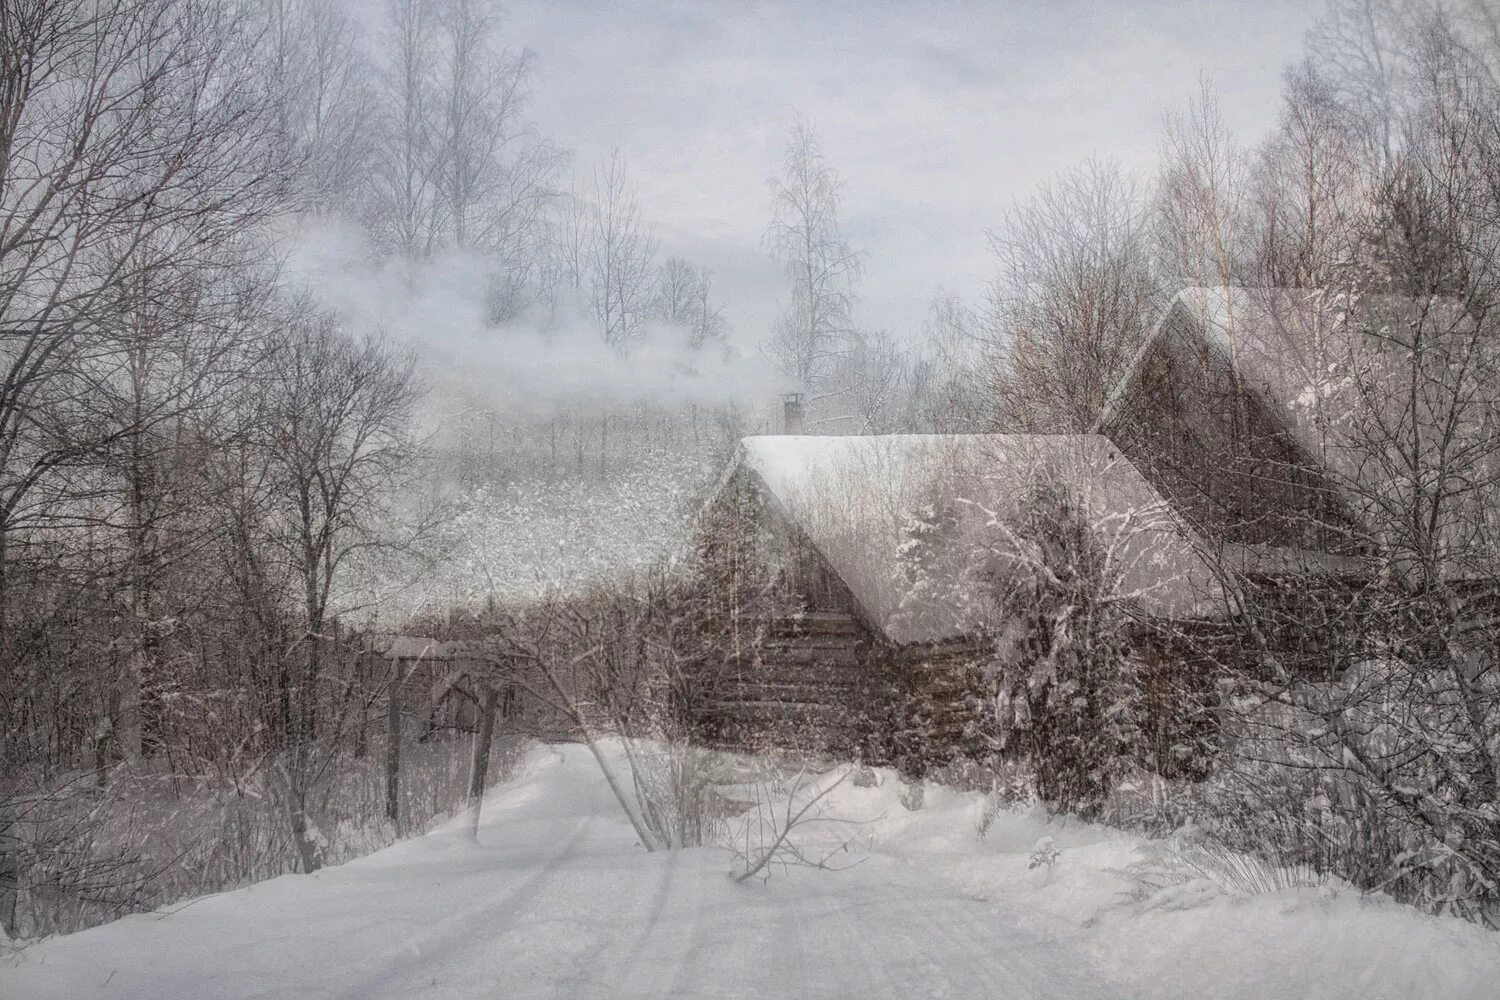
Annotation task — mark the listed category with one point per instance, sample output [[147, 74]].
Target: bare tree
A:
[[619, 256], [325, 97], [1359, 44], [496, 174], [187, 348], [460, 164], [337, 420], [1200, 197], [944, 387], [141, 153], [1306, 188], [148, 158], [868, 385], [676, 291], [683, 299], [569, 240], [824, 271], [403, 185], [1073, 297]]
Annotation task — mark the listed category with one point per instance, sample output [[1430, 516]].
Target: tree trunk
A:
[[393, 749], [131, 727], [309, 854], [102, 733], [307, 849], [481, 758]]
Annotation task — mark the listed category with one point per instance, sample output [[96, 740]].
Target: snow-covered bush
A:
[[1012, 786], [937, 711], [1189, 856], [1044, 853], [914, 795], [1331, 817], [1382, 766]]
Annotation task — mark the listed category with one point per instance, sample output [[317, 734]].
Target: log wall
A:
[[804, 683]]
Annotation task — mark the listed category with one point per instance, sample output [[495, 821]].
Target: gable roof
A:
[[856, 499], [1337, 373], [1318, 358]]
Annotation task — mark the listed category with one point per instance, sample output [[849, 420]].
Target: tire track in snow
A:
[[645, 971], [999, 955], [472, 930], [690, 955]]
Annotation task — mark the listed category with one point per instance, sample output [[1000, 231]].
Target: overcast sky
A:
[[938, 114]]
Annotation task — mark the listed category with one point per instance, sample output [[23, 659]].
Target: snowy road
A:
[[557, 901]]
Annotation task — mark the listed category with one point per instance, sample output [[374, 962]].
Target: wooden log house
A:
[[860, 569]]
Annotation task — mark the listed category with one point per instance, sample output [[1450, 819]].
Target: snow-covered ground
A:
[[557, 900], [1195, 939]]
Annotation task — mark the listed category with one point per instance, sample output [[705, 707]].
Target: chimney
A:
[[791, 413]]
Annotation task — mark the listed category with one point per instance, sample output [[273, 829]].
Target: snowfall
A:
[[557, 899]]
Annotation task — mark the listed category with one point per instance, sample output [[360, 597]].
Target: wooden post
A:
[[10, 865], [481, 757], [393, 747]]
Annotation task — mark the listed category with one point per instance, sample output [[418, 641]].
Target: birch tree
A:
[[325, 96], [1306, 188], [805, 236], [1201, 196], [460, 165], [683, 299], [403, 182]]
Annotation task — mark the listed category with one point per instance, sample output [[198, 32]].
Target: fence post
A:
[[482, 756]]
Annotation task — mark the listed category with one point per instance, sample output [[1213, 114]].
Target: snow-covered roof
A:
[[1338, 372], [1323, 361], [858, 500], [405, 647], [393, 646]]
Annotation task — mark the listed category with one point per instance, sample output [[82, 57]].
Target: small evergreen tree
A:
[[1067, 695]]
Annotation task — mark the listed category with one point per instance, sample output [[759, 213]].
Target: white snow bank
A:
[[1192, 940]]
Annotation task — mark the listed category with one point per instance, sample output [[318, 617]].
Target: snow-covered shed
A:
[[883, 546]]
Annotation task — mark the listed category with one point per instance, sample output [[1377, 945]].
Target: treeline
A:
[[210, 484], [191, 459], [416, 128], [1378, 177]]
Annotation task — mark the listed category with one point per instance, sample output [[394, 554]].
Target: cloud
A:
[[940, 114]]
